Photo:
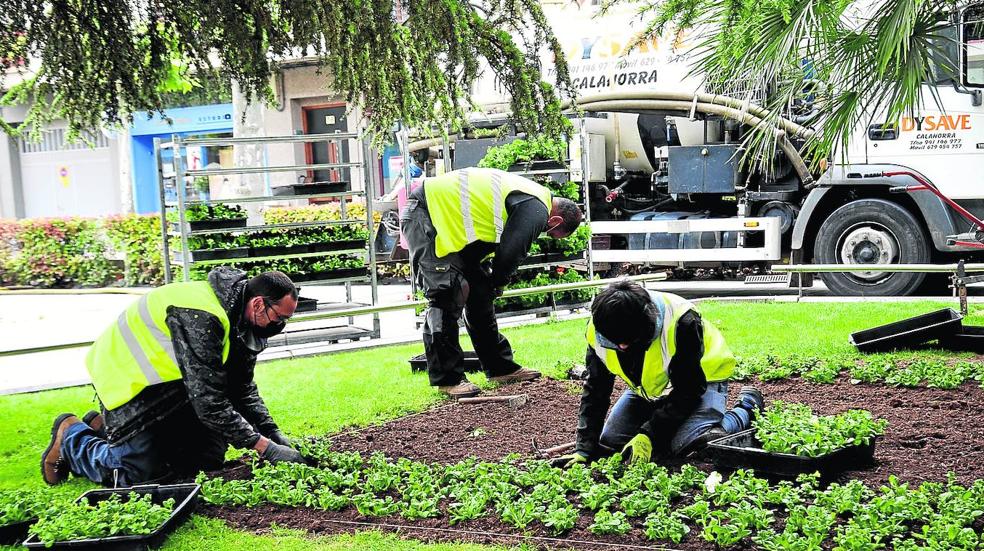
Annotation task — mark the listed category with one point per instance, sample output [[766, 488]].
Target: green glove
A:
[[568, 461], [638, 450]]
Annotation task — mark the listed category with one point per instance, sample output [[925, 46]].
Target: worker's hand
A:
[[279, 438], [638, 450], [275, 453], [569, 460], [497, 291]]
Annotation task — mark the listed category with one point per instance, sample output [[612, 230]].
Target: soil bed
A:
[[930, 432]]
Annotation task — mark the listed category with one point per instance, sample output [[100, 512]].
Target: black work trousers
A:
[[452, 286]]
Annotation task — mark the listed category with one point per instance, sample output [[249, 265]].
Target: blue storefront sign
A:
[[184, 121]]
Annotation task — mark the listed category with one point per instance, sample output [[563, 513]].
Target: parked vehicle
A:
[[663, 156]]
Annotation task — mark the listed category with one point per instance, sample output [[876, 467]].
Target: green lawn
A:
[[324, 394]]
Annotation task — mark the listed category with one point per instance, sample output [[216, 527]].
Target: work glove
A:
[[638, 450], [279, 438], [569, 460], [277, 453], [498, 291]]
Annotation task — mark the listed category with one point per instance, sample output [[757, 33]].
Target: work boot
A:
[[520, 375], [95, 421], [54, 469], [703, 440], [464, 389], [750, 398]]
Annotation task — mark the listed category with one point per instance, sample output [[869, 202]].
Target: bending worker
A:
[[452, 223], [652, 341], [174, 376]]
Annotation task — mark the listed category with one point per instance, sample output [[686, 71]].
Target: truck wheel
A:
[[872, 231]]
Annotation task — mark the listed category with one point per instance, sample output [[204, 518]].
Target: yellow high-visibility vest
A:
[[717, 362], [136, 351], [469, 205]]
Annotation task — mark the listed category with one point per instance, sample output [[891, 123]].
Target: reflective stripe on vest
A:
[[717, 362], [470, 205], [137, 351]]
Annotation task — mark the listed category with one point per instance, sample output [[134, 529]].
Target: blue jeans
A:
[[179, 445], [632, 410]]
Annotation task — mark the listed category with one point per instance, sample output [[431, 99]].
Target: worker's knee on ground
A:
[[612, 442]]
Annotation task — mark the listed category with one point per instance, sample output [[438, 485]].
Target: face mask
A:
[[272, 329]]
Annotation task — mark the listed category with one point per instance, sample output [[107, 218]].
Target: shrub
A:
[[138, 238], [61, 252]]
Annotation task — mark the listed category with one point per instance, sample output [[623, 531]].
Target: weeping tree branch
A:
[[101, 61]]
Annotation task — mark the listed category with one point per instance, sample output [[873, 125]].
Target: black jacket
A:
[[687, 384], [223, 396]]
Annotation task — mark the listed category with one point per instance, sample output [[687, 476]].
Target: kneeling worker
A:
[[653, 340], [452, 223], [174, 375]]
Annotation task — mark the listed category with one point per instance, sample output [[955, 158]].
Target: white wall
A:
[[88, 187]]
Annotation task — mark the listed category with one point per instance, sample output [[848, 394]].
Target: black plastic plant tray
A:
[[334, 274], [185, 498], [310, 189], [530, 166], [552, 258], [219, 254], [908, 332], [337, 245], [277, 250], [743, 451], [472, 365], [13, 534], [969, 339], [217, 224], [306, 304]]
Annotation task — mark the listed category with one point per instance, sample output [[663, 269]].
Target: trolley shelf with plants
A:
[[328, 243]]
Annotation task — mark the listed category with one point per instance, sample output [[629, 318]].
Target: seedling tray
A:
[[306, 304], [217, 224], [969, 339], [219, 254], [15, 533], [908, 332], [743, 451], [337, 245], [185, 498], [310, 189], [472, 364], [277, 250], [334, 274]]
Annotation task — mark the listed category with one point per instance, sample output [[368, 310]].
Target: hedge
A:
[[80, 252]]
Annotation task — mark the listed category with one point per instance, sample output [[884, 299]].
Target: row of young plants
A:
[[898, 369], [688, 505], [298, 269], [283, 237], [540, 278]]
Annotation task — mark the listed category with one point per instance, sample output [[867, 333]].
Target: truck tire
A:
[[872, 231]]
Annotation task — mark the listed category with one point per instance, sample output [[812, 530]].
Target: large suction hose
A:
[[740, 115]]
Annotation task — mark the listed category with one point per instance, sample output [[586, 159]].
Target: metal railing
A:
[[959, 279], [378, 309]]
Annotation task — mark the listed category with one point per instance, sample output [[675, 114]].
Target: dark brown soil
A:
[[930, 432]]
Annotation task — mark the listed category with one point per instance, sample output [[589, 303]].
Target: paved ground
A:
[[43, 320]]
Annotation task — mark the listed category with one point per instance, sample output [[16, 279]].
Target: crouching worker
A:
[[174, 376], [653, 341]]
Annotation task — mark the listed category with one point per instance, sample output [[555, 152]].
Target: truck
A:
[[665, 186]]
